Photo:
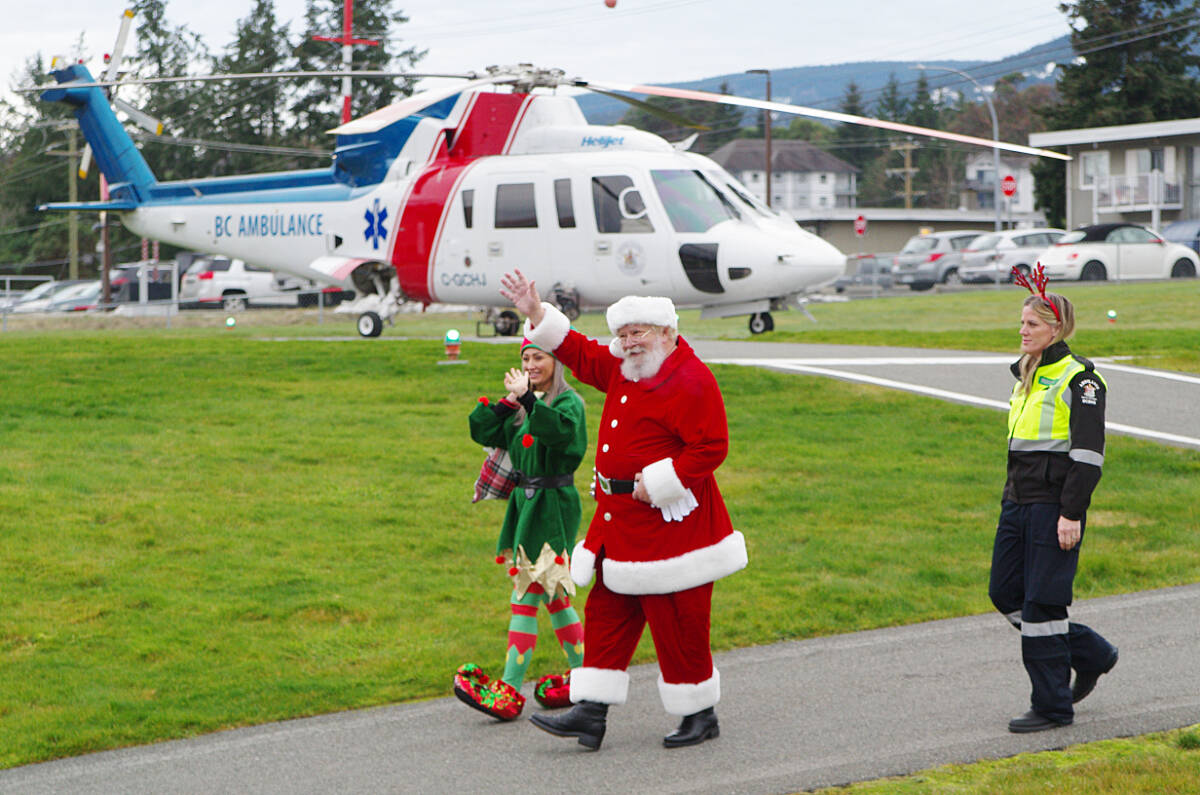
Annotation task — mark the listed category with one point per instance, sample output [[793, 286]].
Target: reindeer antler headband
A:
[[1039, 279]]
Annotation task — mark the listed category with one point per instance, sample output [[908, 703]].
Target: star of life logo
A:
[[375, 231]]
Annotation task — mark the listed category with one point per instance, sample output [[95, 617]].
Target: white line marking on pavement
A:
[[957, 397]]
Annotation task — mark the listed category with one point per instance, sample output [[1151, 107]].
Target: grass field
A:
[[204, 528]]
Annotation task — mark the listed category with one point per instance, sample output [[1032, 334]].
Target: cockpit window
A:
[[692, 204], [619, 207], [750, 201]]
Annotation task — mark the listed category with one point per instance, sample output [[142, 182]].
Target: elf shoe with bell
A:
[[495, 697], [553, 691]]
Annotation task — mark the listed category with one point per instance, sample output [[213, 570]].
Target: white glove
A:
[[675, 511]]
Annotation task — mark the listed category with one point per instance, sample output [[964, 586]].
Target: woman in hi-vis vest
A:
[[1055, 455]]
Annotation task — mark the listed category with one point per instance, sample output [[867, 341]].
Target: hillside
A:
[[824, 86]]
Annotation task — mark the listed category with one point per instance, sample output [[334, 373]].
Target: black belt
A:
[[614, 486], [545, 481]]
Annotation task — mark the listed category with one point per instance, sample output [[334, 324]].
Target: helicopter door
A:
[[517, 237], [628, 255]]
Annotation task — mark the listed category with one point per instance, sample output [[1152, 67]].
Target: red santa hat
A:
[[642, 309]]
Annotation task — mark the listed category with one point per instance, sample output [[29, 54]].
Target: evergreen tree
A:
[[183, 108], [855, 143], [253, 111], [1121, 75]]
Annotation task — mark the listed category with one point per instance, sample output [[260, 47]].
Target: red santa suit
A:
[[656, 562]]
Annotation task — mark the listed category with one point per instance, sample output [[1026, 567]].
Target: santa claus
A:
[[661, 534]]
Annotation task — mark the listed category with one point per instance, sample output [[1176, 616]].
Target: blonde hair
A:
[[558, 385], [1065, 328]]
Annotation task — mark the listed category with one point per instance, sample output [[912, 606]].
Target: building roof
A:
[[749, 154], [1120, 132]]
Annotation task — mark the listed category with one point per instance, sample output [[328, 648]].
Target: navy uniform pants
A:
[[1031, 582]]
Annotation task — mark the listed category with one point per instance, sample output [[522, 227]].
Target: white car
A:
[[1117, 251], [991, 258], [232, 285]]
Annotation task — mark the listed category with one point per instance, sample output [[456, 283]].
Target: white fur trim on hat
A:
[[583, 565], [603, 685], [707, 564], [551, 332], [687, 699], [642, 309]]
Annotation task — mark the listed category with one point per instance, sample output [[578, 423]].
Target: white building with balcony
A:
[[1142, 173], [978, 191], [803, 177]]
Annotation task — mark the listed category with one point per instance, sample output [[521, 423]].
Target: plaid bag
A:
[[497, 478]]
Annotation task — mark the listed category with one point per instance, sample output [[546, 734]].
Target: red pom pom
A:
[[559, 559], [484, 400], [499, 558], [513, 571], [527, 441]]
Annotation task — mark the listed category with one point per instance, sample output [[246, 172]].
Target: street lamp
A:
[[766, 126], [995, 136]]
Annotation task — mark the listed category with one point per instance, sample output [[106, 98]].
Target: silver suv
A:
[[933, 258], [992, 257]]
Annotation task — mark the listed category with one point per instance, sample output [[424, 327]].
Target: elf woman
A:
[[541, 425]]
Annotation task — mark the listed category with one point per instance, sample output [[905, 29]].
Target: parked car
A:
[[1117, 251], [928, 259], [80, 297], [1185, 233], [125, 282], [37, 299], [232, 285], [992, 257], [868, 269]]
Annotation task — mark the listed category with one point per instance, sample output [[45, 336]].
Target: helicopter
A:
[[433, 198]]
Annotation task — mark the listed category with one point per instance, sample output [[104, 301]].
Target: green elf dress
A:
[[540, 524]]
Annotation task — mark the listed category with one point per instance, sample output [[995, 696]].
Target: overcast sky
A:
[[650, 41]]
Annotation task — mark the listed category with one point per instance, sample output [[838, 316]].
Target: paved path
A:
[[794, 715]]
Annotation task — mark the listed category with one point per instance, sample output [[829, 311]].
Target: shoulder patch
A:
[[1088, 389]]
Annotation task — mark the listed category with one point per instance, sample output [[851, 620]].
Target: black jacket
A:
[[1062, 477]]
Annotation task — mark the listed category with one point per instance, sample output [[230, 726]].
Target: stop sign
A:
[[1008, 185], [860, 226]]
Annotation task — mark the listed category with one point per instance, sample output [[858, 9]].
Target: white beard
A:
[[646, 365]]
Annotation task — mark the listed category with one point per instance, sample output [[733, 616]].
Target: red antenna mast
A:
[[347, 40]]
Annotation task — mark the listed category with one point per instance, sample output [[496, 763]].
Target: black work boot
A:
[[693, 729], [587, 720]]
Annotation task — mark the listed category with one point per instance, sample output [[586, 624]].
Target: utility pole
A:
[[766, 127], [72, 155], [907, 172], [347, 41], [73, 216]]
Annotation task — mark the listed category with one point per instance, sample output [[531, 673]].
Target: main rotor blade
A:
[[146, 81], [141, 118], [818, 113], [414, 104], [655, 110], [114, 58]]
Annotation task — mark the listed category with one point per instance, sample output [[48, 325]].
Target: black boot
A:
[[587, 720], [695, 728]]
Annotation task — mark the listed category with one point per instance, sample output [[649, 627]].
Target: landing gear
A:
[[507, 323], [761, 322], [370, 324]]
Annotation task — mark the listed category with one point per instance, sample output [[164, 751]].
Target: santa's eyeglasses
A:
[[634, 336]]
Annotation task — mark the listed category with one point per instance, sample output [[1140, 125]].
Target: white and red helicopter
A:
[[432, 198]]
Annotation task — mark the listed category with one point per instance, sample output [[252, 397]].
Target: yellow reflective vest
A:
[[1041, 420]]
